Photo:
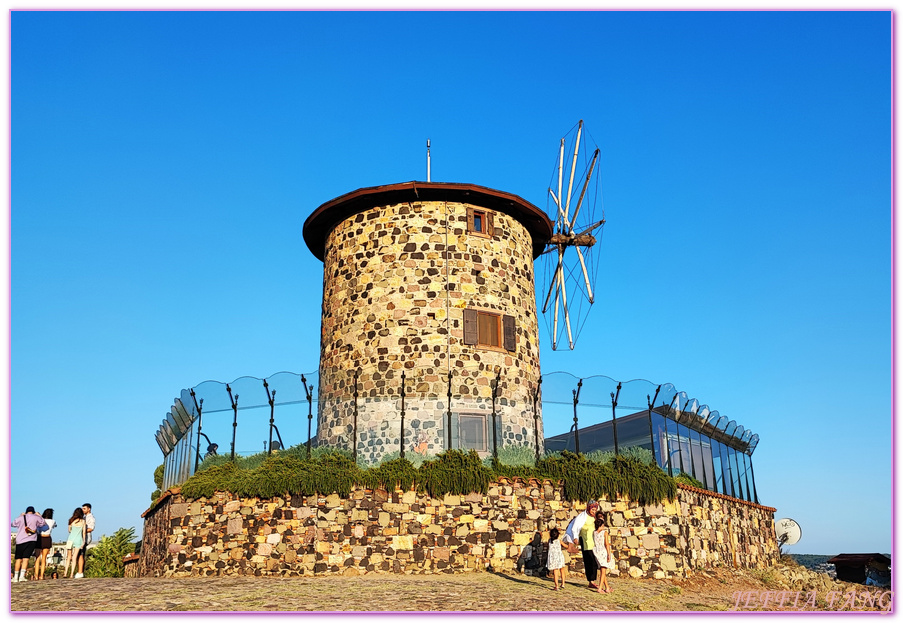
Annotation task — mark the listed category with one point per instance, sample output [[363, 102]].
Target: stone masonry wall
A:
[[396, 281], [407, 532]]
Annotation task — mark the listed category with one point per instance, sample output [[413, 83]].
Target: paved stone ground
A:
[[377, 592]]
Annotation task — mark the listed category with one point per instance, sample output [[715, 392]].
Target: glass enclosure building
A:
[[683, 437]]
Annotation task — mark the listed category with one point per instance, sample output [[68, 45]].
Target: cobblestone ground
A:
[[463, 592]]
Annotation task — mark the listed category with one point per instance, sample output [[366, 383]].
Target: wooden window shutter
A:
[[489, 224], [470, 327], [510, 333], [469, 219]]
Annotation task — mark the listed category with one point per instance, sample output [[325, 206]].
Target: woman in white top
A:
[[45, 542]]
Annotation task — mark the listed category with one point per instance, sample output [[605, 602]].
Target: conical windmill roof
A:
[[328, 215]]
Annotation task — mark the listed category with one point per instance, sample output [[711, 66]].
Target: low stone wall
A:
[[408, 532]]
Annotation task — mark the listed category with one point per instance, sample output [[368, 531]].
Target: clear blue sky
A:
[[163, 165]]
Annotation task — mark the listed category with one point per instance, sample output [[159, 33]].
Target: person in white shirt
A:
[[89, 528], [580, 533]]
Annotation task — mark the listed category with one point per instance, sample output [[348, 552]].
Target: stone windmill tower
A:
[[429, 309]]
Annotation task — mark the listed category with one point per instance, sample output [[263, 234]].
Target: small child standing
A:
[[602, 550], [556, 558]]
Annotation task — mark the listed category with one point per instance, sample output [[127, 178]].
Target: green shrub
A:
[[517, 455], [687, 479], [600, 456], [105, 560], [454, 471], [398, 472], [643, 455]]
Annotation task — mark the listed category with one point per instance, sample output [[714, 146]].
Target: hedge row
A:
[[452, 471]]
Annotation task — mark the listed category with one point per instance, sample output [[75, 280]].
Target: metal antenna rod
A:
[[427, 160]]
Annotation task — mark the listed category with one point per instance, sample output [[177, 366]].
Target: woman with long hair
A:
[[45, 542], [76, 540]]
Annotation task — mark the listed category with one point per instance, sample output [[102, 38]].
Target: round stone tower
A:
[[428, 292]]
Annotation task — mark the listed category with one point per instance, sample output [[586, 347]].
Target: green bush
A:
[[453, 471], [515, 455], [105, 560], [395, 472], [643, 455], [687, 479], [600, 456]]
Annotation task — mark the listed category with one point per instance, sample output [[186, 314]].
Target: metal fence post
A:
[[401, 437], [614, 423], [536, 418], [576, 393], [651, 433], [354, 444], [307, 390], [449, 445], [495, 428], [198, 407], [234, 402]]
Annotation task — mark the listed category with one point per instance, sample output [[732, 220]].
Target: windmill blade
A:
[[555, 317], [561, 214], [554, 282], [560, 164], [567, 206], [591, 227], [592, 165], [567, 315], [589, 288]]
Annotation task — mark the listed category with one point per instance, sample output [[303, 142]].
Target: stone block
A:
[[402, 542], [441, 553], [178, 510], [384, 519], [632, 542], [452, 500], [668, 562], [274, 538], [234, 525], [522, 538], [480, 525], [651, 541], [359, 551], [264, 549]]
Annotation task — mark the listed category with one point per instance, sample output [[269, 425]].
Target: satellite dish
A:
[[575, 208], [787, 531]]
